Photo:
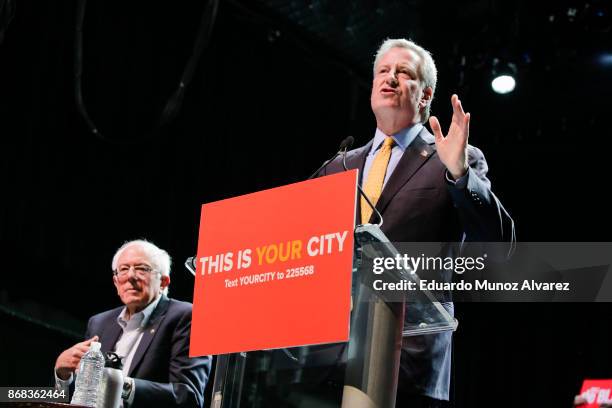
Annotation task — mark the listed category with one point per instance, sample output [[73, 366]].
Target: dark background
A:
[[279, 86]]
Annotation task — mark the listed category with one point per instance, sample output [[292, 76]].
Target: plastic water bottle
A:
[[88, 379]]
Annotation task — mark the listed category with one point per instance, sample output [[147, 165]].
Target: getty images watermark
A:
[[527, 272]]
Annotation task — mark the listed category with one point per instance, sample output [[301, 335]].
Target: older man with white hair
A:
[[150, 333], [429, 188]]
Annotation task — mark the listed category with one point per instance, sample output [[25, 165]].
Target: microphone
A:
[[344, 146]]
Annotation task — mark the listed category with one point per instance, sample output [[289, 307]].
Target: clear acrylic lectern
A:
[[360, 373]]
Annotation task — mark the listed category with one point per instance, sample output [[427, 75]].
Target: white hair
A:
[[159, 259], [428, 74]]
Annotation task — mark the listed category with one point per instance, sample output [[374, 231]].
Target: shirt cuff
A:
[[460, 183], [63, 385]]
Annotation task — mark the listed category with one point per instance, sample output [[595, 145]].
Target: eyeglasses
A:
[[141, 271]]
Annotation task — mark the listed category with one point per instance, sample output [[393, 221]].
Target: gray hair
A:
[[160, 260], [428, 74]]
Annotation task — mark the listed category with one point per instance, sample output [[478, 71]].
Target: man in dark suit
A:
[[427, 188], [151, 334]]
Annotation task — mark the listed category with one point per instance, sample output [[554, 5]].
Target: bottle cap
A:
[[95, 346]]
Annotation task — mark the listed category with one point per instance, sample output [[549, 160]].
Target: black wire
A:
[[78, 68], [175, 101], [174, 104], [7, 13], [41, 323]]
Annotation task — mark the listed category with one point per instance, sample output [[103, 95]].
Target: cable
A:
[[173, 106], [7, 13], [40, 323]]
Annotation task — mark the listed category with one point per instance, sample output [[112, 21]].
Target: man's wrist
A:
[[63, 375], [459, 183], [456, 175]]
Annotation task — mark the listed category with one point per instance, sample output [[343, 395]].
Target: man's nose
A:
[[392, 78], [132, 276]]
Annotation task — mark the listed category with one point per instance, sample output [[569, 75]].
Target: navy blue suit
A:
[[418, 204], [163, 373]]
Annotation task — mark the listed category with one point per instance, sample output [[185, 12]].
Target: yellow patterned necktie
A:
[[374, 184]]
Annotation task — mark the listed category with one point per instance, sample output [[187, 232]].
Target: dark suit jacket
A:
[[163, 373], [419, 204]]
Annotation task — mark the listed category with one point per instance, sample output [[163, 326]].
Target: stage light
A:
[[503, 84], [503, 75], [605, 59]]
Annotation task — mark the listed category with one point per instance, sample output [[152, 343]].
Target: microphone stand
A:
[[362, 193]]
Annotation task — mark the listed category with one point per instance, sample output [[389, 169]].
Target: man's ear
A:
[[164, 281], [426, 97]]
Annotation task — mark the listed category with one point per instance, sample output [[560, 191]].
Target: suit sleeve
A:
[[482, 215], [187, 376]]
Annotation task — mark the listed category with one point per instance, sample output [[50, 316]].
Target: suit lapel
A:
[[150, 331], [110, 334], [416, 155], [356, 159]]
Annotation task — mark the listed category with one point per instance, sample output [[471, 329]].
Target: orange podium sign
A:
[[274, 268]]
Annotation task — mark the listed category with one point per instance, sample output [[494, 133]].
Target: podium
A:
[[362, 372]]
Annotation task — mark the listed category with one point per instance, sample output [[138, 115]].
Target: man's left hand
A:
[[452, 148]]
